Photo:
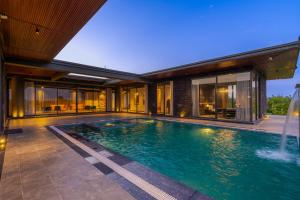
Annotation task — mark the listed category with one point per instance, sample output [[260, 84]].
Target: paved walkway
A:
[[38, 165]]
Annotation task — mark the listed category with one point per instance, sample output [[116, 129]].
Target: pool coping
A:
[[141, 182]]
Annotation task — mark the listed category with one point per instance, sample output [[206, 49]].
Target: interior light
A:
[[87, 76], [3, 16], [37, 31]]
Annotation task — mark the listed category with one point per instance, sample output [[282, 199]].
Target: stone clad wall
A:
[[182, 97]]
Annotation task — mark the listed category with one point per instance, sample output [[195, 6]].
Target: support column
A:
[[2, 96], [17, 96]]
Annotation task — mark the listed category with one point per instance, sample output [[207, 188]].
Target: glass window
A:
[[100, 101], [207, 101], [29, 98], [223, 97], [132, 99], [66, 101], [113, 100], [124, 99], [160, 94], [46, 100], [140, 100], [164, 101], [203, 97], [85, 101]]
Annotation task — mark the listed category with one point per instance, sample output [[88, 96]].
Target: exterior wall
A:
[[263, 96], [182, 95], [152, 98], [17, 96], [3, 92]]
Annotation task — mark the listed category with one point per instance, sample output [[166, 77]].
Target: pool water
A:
[[221, 163]]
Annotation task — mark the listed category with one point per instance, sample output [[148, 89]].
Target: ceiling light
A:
[[87, 76]]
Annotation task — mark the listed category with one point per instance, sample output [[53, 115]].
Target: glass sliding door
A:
[[160, 99], [85, 101], [99, 103], [113, 100], [132, 99], [226, 101], [203, 97], [207, 101], [66, 101], [233, 97], [164, 98], [225, 97], [124, 94], [46, 100]]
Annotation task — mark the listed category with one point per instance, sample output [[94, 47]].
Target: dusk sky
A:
[[144, 35]]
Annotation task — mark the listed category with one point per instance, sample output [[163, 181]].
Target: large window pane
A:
[[233, 96], [124, 99], [46, 100], [203, 97], [29, 98], [164, 94], [133, 99], [99, 101], [226, 101], [160, 94], [140, 100], [113, 100], [85, 101], [207, 101], [66, 101]]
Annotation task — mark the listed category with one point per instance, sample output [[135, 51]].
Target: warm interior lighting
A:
[[37, 31], [2, 140], [3, 16], [87, 76], [182, 114]]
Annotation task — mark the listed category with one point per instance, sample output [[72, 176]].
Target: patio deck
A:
[[38, 165]]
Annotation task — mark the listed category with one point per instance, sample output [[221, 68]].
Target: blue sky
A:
[[145, 35]]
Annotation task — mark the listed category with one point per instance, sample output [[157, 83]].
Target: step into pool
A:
[[221, 163]]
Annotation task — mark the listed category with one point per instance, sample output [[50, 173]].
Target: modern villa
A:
[[33, 84]]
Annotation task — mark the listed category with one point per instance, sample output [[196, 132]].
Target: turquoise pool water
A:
[[221, 163]]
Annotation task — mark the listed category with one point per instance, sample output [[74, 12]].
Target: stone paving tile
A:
[[38, 165]]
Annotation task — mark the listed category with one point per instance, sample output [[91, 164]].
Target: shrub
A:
[[278, 105]]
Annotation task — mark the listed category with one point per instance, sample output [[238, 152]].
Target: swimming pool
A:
[[221, 163]]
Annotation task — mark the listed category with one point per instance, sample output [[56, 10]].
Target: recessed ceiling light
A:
[[87, 76]]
